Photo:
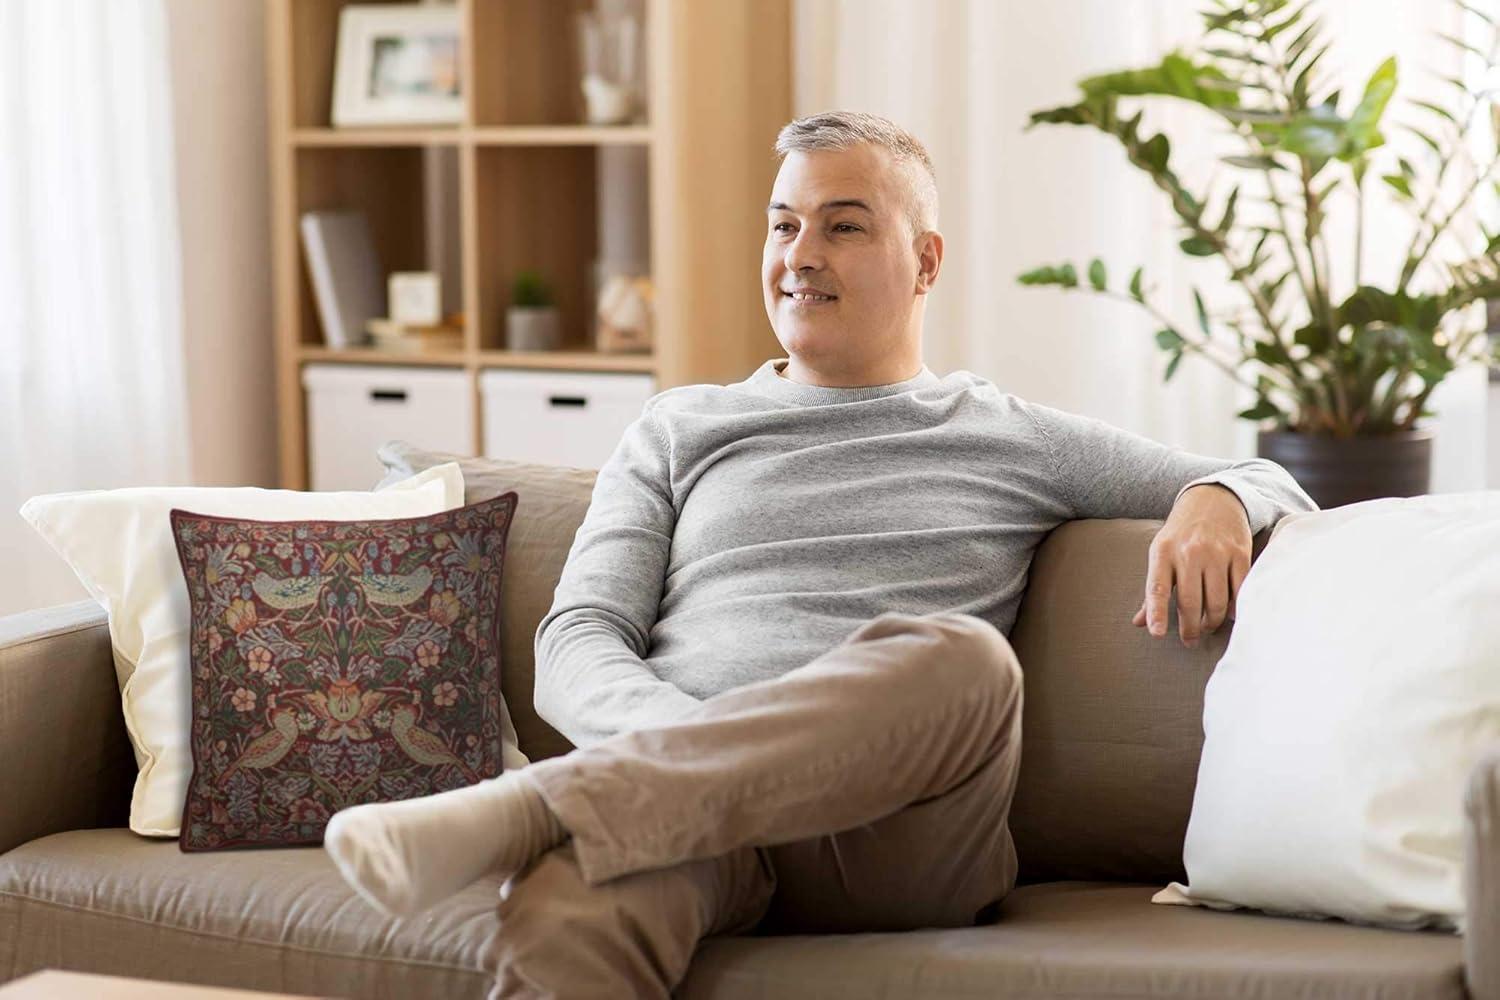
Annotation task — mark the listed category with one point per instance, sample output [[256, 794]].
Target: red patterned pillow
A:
[[336, 663]]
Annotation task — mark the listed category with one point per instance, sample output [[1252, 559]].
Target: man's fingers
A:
[[1215, 599], [1158, 592], [1189, 606]]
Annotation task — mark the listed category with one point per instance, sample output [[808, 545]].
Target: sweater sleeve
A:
[[592, 680], [1106, 471]]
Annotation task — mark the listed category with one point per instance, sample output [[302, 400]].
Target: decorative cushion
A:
[[1359, 688], [336, 663], [119, 543]]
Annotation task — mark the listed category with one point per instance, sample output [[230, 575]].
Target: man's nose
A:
[[804, 253]]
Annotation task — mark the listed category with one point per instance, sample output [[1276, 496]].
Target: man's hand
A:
[[1203, 550]]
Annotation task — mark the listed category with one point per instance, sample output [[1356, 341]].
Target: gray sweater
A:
[[740, 531]]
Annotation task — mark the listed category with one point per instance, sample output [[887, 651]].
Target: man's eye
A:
[[848, 226], [777, 226]]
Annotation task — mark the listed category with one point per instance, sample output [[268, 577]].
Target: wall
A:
[[219, 110]]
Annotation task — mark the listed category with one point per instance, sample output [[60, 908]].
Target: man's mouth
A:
[[809, 296]]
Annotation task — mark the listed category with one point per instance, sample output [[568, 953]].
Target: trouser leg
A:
[[905, 710], [633, 936]]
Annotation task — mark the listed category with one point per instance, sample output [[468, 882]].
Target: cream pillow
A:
[[119, 543], [1360, 686]]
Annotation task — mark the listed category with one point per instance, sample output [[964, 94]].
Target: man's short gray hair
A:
[[842, 129]]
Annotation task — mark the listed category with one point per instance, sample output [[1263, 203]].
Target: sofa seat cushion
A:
[[277, 919], [282, 919], [1090, 940]]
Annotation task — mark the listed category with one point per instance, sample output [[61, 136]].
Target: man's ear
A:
[[929, 260]]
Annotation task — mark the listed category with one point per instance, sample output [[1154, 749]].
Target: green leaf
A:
[[1465, 46], [1202, 312], [1197, 246], [1253, 162], [1400, 183], [1261, 410], [1169, 340], [1062, 275], [1432, 143], [1135, 286], [1097, 276], [1363, 129], [1313, 336], [1155, 152], [1436, 109], [1227, 219], [1299, 44], [1172, 367], [1303, 81], [1317, 133], [1271, 31], [1176, 76], [1470, 8]]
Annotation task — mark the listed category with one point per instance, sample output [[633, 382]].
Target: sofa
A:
[[1112, 736]]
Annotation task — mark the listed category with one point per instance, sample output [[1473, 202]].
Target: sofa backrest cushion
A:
[[1112, 725]]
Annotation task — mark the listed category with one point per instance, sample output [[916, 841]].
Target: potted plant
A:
[[1342, 373], [532, 322]]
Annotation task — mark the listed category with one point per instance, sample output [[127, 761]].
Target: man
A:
[[779, 639]]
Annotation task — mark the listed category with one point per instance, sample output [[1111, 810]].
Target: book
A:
[[345, 272]]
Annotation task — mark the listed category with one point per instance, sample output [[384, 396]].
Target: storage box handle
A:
[[387, 395], [567, 401]]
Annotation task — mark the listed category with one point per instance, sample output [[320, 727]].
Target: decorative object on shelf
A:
[[414, 338], [1345, 373], [345, 274], [625, 315], [416, 297], [397, 65], [609, 41], [532, 322]]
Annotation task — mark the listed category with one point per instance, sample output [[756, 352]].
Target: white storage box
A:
[[353, 409], [559, 418]]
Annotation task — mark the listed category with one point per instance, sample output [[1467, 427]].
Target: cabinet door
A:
[[559, 418], [353, 410]]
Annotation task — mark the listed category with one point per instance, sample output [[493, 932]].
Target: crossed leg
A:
[[877, 777]]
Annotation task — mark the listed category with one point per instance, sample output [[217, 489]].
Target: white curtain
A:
[[964, 75], [91, 373]]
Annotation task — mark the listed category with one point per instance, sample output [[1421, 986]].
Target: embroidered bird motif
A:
[[394, 588], [344, 709], [422, 746], [267, 749], [288, 593]]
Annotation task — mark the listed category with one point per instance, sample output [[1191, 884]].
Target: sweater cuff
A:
[[1258, 510]]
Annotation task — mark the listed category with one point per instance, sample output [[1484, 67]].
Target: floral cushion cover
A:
[[336, 663]]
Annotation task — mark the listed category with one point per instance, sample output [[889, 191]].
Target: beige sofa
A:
[[1112, 737]]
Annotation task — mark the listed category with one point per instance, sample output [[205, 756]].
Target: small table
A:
[[55, 984]]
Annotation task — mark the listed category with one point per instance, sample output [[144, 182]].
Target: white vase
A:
[[533, 328]]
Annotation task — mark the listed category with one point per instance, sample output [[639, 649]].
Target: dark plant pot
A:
[[1335, 471]]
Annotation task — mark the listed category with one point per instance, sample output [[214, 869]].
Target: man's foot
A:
[[404, 856]]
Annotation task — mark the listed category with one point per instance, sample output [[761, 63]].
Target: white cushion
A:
[[120, 544], [1360, 686]]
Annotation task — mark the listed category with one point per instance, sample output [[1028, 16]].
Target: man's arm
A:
[[591, 678], [1107, 471], [1212, 508]]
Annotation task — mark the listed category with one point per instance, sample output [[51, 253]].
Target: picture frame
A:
[[398, 64]]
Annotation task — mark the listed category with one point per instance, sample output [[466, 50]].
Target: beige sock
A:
[[404, 856]]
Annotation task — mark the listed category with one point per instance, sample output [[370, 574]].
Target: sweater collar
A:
[[767, 381]]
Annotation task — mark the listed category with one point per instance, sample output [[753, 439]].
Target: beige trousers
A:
[[867, 790]]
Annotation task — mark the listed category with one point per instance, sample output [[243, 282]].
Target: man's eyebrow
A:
[[836, 203]]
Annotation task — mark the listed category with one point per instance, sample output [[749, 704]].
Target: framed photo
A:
[[397, 65]]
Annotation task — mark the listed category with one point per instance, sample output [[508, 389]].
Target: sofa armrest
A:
[[1482, 878], [65, 759]]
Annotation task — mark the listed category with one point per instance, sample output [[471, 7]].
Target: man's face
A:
[[838, 225]]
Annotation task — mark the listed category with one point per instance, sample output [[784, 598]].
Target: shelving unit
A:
[[527, 178]]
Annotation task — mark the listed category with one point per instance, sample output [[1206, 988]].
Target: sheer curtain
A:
[[91, 362], [963, 75]]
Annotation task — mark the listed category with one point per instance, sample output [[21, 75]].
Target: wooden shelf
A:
[[562, 135], [583, 361], [376, 356], [313, 138], [523, 186]]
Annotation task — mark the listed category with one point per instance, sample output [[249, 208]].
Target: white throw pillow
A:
[[1360, 686], [119, 543]]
